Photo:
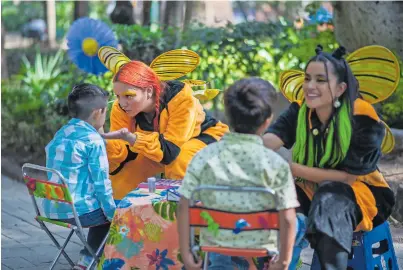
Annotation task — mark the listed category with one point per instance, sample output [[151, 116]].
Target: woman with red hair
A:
[[156, 127]]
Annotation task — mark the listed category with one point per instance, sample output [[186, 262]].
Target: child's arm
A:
[[184, 236], [287, 202], [117, 150], [122, 134], [98, 168], [189, 183], [287, 237]]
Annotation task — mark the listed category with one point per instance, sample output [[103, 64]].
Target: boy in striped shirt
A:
[[78, 152]]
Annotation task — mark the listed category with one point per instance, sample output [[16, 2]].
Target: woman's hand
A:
[[122, 134]]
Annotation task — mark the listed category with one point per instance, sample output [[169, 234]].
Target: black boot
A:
[[331, 255]]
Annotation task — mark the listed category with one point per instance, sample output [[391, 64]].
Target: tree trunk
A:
[[195, 12], [51, 22], [4, 69], [81, 9], [123, 13], [398, 135], [174, 14], [147, 13], [359, 24]]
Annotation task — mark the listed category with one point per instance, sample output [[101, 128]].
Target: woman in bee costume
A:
[[337, 139], [166, 121]]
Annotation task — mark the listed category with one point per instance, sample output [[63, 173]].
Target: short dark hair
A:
[[248, 103], [85, 98]]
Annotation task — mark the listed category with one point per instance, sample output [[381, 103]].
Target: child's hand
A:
[[123, 134], [278, 265], [189, 262]]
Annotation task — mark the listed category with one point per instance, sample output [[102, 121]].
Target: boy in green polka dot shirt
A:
[[240, 159]]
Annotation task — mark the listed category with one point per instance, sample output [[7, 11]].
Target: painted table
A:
[[143, 234]]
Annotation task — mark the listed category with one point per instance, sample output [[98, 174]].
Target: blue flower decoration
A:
[[322, 16], [84, 38], [113, 264]]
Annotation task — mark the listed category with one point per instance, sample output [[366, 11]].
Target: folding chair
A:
[[262, 220], [57, 192]]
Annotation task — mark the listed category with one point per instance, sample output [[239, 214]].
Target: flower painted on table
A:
[[124, 230], [159, 259], [135, 225], [113, 264]]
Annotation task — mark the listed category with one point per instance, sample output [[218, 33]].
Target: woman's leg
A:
[[132, 173], [333, 215], [331, 255]]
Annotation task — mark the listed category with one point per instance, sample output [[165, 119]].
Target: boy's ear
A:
[[96, 113], [263, 127], [267, 122]]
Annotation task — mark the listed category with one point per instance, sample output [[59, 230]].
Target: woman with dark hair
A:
[[336, 137]]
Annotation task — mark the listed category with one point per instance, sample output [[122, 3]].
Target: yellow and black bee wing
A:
[[206, 94], [195, 82], [291, 82], [377, 71], [203, 94], [388, 142], [175, 64], [112, 58]]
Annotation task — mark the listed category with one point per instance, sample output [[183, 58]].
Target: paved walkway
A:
[[24, 245]]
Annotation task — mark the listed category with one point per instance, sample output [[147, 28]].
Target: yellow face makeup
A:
[[130, 92]]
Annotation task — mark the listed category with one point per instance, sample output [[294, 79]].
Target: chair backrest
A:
[[39, 188], [214, 219]]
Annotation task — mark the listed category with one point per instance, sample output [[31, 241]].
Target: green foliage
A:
[[142, 43], [64, 14], [34, 102], [27, 104], [15, 16], [392, 108]]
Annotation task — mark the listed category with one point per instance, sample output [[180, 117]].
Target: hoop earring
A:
[[336, 103]]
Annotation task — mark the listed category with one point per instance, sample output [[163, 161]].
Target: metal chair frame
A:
[[193, 204], [78, 229]]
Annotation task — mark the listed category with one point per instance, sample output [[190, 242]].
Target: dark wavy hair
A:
[[248, 103]]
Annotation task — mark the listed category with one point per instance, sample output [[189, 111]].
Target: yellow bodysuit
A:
[[184, 129]]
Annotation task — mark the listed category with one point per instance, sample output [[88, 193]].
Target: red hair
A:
[[140, 75]]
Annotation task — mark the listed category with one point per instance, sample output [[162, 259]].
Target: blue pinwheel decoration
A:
[[84, 38]]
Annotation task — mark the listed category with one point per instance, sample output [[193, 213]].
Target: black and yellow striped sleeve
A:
[[182, 121]]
